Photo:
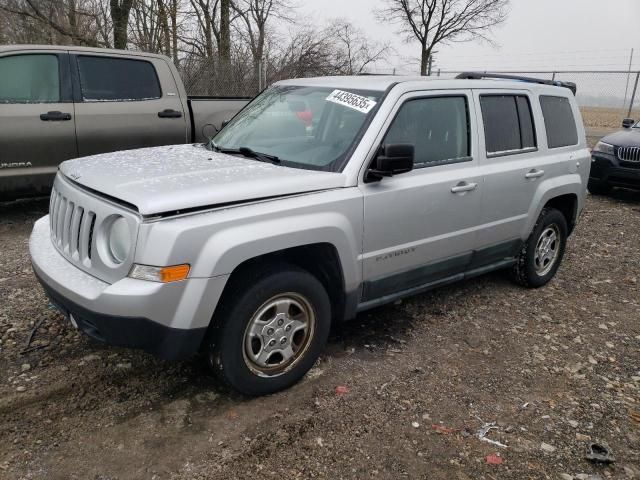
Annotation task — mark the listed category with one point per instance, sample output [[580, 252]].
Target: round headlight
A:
[[120, 240]]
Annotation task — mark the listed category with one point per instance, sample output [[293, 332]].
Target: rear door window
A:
[[32, 78], [438, 127], [508, 124], [117, 79], [559, 121]]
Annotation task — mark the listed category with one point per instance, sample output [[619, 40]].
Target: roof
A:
[[65, 48], [383, 82]]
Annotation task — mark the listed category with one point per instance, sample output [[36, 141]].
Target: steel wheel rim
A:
[[278, 334], [547, 250]]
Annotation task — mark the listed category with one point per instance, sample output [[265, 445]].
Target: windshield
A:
[[303, 127]]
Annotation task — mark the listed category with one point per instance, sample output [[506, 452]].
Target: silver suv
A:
[[322, 198]]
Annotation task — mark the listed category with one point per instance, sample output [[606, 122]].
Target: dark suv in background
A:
[[615, 160]]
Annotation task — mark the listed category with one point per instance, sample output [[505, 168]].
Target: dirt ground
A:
[[552, 369]]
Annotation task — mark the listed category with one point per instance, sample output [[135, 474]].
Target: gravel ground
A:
[[552, 370]]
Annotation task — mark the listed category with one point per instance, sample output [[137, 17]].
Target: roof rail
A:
[[479, 76]]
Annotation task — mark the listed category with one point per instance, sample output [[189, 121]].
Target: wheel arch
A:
[[565, 193], [566, 204], [320, 259]]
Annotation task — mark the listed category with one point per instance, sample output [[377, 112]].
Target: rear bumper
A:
[[167, 320], [611, 171]]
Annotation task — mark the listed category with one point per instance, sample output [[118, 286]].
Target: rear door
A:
[[37, 121], [420, 227], [125, 102], [512, 164]]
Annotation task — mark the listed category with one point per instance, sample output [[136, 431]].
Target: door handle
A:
[[169, 113], [55, 116], [534, 173], [463, 187]]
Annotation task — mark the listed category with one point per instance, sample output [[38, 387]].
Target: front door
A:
[[37, 121], [124, 103], [420, 228]]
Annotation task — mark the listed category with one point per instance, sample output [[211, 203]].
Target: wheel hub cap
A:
[[278, 334], [547, 250]]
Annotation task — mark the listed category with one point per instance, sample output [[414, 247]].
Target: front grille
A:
[[71, 227], [629, 154]]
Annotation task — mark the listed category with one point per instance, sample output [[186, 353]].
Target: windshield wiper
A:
[[263, 157], [247, 152]]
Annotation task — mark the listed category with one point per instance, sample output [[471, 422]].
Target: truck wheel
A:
[[266, 336], [597, 187], [542, 253]]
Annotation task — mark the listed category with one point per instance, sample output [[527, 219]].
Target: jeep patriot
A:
[[322, 198]]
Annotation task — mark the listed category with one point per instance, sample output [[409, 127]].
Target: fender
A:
[[227, 249], [549, 189]]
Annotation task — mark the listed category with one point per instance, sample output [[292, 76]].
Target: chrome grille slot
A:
[[91, 228], [629, 154], [74, 231], [66, 225]]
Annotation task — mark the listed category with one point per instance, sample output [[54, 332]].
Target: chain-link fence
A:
[[605, 97]]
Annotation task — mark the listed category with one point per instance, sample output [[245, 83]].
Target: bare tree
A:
[[352, 52], [256, 15], [434, 22], [64, 21]]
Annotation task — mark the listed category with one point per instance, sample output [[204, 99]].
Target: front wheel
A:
[[268, 335], [542, 253]]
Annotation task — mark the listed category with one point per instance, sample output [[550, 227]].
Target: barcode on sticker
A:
[[351, 100]]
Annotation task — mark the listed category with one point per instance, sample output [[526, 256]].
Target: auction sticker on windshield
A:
[[351, 100]]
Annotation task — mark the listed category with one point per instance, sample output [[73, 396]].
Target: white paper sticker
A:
[[351, 100]]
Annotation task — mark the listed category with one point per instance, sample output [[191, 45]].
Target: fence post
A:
[[633, 95]]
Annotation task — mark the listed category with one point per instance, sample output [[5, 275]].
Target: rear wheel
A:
[[543, 251], [268, 335], [597, 187]]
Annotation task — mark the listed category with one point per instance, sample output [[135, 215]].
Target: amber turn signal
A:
[[173, 273]]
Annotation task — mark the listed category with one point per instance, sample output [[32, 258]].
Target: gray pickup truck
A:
[[58, 103], [322, 198]]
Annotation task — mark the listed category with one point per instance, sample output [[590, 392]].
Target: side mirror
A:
[[628, 123], [392, 159], [224, 124]]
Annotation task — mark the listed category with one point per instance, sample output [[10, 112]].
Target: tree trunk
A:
[[424, 61], [174, 31], [224, 49], [120, 19]]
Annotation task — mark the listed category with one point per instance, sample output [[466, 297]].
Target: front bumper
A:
[[167, 320], [609, 170]]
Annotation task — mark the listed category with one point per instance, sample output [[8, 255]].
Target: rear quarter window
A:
[[117, 79], [559, 121]]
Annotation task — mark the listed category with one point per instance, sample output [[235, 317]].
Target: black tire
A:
[[596, 187], [225, 348], [529, 272]]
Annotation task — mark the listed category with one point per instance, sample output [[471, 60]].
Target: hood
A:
[[629, 137], [180, 177]]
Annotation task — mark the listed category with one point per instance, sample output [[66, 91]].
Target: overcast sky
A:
[[538, 35]]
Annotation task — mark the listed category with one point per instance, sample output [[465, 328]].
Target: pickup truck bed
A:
[[62, 102]]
